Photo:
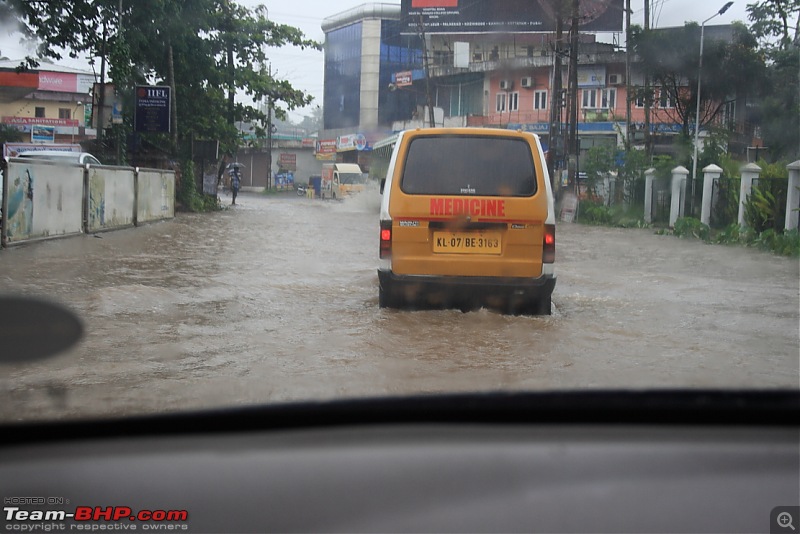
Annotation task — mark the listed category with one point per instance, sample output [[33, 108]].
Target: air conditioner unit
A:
[[614, 79], [506, 85], [526, 82]]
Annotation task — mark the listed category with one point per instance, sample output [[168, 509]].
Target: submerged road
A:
[[277, 300]]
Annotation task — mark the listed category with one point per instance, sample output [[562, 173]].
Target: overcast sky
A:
[[304, 68]]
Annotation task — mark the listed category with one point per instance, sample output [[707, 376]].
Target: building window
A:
[[665, 99], [608, 99], [639, 97], [730, 112], [589, 98], [64, 113], [540, 100], [39, 113], [501, 102], [513, 101]]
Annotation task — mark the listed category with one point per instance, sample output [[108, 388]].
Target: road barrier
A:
[[45, 199]]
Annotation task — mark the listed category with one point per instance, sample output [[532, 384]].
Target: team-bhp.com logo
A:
[[85, 515]]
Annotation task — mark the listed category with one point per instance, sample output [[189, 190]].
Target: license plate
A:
[[466, 242]]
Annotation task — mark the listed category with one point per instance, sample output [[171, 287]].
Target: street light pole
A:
[[697, 111], [79, 104]]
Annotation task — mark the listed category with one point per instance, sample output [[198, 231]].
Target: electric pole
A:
[[269, 135], [431, 118], [573, 94], [647, 97], [628, 136], [555, 135]]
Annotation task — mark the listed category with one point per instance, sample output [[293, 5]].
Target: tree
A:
[[671, 58], [771, 23], [207, 50]]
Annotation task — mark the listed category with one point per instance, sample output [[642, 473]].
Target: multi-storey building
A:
[[376, 83], [51, 104]]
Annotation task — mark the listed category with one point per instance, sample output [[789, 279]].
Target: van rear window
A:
[[469, 165]]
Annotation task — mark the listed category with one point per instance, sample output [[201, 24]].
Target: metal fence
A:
[[724, 202]]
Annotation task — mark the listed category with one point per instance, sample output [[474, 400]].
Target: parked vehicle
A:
[[63, 156]]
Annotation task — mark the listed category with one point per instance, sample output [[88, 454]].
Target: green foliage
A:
[[784, 244], [772, 23], [763, 208], [212, 49], [189, 198], [594, 213], [691, 227], [9, 134], [670, 58], [597, 214], [598, 162]]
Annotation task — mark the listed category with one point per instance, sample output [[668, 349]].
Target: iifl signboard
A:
[[152, 109]]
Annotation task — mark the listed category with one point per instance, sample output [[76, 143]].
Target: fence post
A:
[[679, 175], [710, 173], [793, 196], [649, 175], [750, 172]]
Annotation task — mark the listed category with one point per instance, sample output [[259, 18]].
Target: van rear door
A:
[[466, 203]]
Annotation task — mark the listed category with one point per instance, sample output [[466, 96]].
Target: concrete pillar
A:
[[750, 172], [607, 189], [679, 175], [649, 176], [710, 173], [793, 196]]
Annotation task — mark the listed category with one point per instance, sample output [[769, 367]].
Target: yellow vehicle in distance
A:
[[341, 179], [467, 220]]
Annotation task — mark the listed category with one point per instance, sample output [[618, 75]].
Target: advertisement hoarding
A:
[[152, 108], [493, 16]]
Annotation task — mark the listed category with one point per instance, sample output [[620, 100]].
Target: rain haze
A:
[[304, 68]]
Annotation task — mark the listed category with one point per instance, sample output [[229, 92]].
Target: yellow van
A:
[[467, 220]]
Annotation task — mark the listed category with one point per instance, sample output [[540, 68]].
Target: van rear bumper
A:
[[465, 290]]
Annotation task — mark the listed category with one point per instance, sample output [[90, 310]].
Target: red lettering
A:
[[491, 208], [83, 513], [475, 206], [458, 206], [437, 206], [501, 208], [121, 512], [448, 206], [100, 513]]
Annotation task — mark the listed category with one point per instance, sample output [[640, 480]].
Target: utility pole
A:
[[431, 118], [647, 139], [573, 93], [628, 136], [101, 98], [555, 96], [269, 135]]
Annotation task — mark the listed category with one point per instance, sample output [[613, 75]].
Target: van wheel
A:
[[543, 306], [386, 299]]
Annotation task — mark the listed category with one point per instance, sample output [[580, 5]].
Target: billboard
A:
[[500, 16], [152, 109]]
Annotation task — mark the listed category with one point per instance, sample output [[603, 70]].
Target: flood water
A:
[[277, 300]]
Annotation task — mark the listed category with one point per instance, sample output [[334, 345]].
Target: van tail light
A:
[[386, 240], [549, 250]]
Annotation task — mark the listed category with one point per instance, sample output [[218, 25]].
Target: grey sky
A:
[[304, 68]]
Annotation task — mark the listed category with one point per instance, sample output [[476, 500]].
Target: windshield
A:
[[352, 178], [649, 240], [469, 166]]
